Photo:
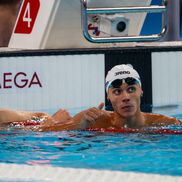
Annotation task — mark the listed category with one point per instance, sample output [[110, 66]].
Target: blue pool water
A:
[[135, 152]]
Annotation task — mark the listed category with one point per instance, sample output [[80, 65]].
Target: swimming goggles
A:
[[118, 82]]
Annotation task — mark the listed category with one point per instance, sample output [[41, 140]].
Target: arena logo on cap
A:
[[122, 73], [9, 80]]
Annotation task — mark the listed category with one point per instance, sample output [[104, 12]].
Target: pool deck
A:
[[14, 172], [126, 45]]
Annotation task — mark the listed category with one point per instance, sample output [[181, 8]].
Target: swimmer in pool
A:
[[124, 90]]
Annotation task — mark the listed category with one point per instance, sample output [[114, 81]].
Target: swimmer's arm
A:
[[80, 121], [54, 124], [56, 121], [8, 116], [91, 118]]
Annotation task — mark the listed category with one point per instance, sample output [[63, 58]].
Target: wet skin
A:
[[127, 114], [126, 104], [126, 100]]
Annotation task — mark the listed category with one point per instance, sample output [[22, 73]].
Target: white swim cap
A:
[[120, 72]]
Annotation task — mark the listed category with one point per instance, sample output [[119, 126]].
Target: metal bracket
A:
[[85, 11]]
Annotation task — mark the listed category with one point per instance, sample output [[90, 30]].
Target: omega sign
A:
[[10, 80]]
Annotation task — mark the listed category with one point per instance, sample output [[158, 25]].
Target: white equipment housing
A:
[[57, 23]]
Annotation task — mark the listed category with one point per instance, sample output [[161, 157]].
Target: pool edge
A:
[[59, 174]]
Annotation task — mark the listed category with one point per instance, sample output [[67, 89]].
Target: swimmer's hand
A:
[[94, 117], [60, 117]]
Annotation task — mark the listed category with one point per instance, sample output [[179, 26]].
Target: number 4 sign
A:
[[27, 16]]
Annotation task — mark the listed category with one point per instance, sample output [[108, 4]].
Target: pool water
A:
[[134, 152]]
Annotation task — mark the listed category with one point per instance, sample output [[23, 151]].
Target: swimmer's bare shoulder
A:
[[152, 119]]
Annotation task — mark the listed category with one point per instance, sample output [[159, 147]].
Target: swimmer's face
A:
[[125, 99]]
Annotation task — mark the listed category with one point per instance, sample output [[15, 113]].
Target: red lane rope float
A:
[[153, 131]]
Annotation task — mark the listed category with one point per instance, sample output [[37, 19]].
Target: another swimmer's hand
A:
[[91, 115]]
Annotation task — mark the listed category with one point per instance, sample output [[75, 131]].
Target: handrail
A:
[[131, 9], [85, 11]]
